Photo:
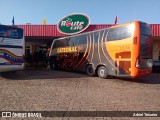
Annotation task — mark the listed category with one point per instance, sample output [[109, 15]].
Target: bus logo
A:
[[72, 24]]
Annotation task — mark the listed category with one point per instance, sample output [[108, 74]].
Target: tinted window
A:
[[57, 44], [119, 33], [11, 32], [101, 35], [146, 40], [104, 35], [78, 40], [61, 42], [145, 29], [65, 42], [146, 51], [81, 40], [71, 41], [96, 35]]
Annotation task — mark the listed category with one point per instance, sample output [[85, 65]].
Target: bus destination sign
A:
[[72, 24]]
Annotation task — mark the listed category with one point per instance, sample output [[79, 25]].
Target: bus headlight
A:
[[137, 64]]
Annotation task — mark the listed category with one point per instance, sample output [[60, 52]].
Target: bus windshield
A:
[[11, 32]]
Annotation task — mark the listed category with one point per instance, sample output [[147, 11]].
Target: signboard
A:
[[72, 24]]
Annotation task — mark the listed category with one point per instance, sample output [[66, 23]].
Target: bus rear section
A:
[[11, 48], [143, 43], [107, 52]]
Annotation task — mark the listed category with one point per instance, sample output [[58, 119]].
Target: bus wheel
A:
[[90, 70], [102, 72]]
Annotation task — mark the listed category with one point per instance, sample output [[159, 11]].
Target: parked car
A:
[[156, 66]]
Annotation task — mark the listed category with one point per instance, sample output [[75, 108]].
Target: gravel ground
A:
[[47, 90]]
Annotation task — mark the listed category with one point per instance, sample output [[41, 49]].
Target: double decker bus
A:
[[123, 50], [12, 48]]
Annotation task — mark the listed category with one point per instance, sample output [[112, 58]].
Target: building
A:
[[39, 37]]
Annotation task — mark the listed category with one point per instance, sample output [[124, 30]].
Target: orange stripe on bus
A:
[[90, 47], [107, 52], [98, 49], [92, 50], [88, 50]]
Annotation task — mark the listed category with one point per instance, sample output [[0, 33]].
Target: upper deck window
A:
[[120, 33]]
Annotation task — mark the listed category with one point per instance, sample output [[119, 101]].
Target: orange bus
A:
[[123, 50]]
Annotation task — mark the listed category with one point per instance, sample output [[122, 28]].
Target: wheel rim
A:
[[102, 72]]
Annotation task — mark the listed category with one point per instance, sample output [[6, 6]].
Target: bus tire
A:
[[90, 70], [102, 72]]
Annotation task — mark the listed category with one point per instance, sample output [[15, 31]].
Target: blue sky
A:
[[99, 11]]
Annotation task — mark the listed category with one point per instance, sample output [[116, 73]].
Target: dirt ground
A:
[[47, 90]]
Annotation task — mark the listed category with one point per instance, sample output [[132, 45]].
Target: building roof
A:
[[51, 30]]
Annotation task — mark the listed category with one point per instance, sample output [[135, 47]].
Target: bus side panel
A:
[[121, 56], [97, 55]]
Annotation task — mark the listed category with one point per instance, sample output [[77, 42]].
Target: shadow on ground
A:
[[39, 74], [153, 78]]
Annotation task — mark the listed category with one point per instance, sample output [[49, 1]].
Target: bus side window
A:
[[65, 42], [57, 44], [71, 41], [125, 32], [119, 33], [82, 40], [96, 34], [111, 35], [76, 42]]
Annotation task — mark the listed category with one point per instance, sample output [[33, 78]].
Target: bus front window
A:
[[145, 46]]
